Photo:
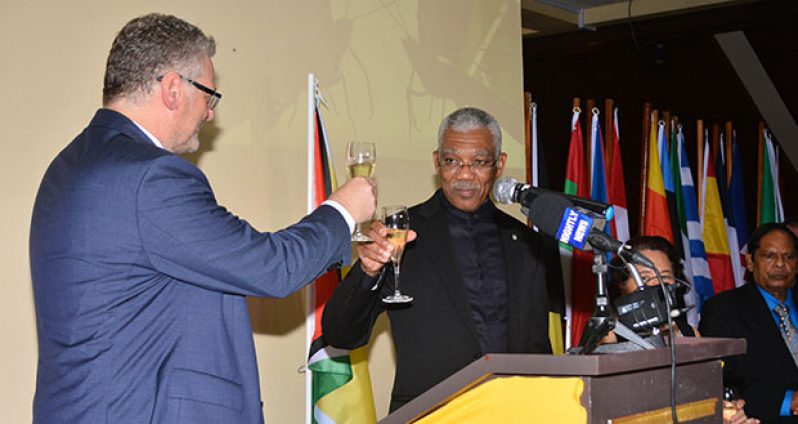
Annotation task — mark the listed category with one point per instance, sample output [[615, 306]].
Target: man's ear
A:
[[749, 261], [500, 164], [171, 90]]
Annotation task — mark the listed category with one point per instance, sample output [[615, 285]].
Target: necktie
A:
[[788, 330]]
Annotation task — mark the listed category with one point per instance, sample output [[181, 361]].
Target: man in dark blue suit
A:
[[139, 276], [763, 311]]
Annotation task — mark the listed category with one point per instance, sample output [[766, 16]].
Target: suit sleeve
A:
[[189, 237], [353, 308]]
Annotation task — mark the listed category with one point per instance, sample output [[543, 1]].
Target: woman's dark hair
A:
[[619, 273]]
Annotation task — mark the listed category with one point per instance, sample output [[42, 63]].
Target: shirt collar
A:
[[483, 213], [149, 135], [773, 302]]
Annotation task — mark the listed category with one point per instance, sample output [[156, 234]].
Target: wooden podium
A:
[[629, 387]]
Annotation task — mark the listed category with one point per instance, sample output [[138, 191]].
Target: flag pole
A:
[[666, 116], [760, 139], [311, 291], [528, 136], [699, 135], [608, 129], [589, 105], [644, 164], [729, 136]]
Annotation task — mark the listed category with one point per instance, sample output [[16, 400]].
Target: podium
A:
[[618, 388]]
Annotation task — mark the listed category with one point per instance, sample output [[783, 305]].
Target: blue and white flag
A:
[[696, 266]]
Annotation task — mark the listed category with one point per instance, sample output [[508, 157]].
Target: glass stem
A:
[[396, 279]]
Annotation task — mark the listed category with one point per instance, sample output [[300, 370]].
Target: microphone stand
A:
[[603, 321]]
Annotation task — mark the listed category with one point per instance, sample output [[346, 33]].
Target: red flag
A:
[[616, 187], [577, 275]]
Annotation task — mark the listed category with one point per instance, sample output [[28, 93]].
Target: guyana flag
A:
[[339, 383]]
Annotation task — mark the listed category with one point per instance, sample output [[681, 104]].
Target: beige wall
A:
[[389, 71]]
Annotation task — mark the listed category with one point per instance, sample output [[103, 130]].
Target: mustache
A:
[[465, 185]]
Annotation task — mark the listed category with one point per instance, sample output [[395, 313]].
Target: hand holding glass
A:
[[729, 403], [360, 159], [397, 222]]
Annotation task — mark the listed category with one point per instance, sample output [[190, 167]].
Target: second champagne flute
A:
[[397, 222], [361, 157]]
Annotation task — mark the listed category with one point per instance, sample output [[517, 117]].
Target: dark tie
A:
[[788, 331]]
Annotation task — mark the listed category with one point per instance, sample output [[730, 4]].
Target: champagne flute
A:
[[397, 222], [360, 160], [729, 402]]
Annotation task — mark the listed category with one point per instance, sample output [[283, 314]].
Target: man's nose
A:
[[464, 169]]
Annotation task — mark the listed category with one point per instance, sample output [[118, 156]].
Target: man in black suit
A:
[[478, 276], [767, 375]]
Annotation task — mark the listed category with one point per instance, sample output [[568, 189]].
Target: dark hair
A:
[[791, 221], [619, 274], [149, 45], [756, 237]]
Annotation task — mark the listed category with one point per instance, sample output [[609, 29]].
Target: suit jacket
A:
[[435, 336], [139, 279], [767, 369]]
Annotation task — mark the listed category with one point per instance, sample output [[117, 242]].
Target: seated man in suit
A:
[[478, 276], [764, 313], [139, 276]]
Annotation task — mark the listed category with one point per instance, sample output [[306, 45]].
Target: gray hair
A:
[[149, 45], [471, 118]]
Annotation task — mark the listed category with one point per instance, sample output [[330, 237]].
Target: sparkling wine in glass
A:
[[397, 222], [361, 157], [730, 397]]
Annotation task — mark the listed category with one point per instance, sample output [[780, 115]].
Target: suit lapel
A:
[[517, 303], [438, 248]]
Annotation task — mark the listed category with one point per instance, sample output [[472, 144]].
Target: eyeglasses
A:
[[770, 256], [214, 98], [451, 165], [669, 279]]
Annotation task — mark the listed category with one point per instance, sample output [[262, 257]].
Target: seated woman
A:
[[665, 257]]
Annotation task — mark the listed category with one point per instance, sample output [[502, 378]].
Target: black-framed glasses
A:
[[214, 96], [451, 165]]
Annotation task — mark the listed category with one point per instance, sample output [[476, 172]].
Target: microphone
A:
[[602, 241], [556, 216], [508, 190]]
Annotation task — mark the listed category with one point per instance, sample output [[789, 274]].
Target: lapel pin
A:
[[515, 237]]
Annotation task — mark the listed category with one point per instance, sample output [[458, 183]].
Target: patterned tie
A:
[[788, 331]]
